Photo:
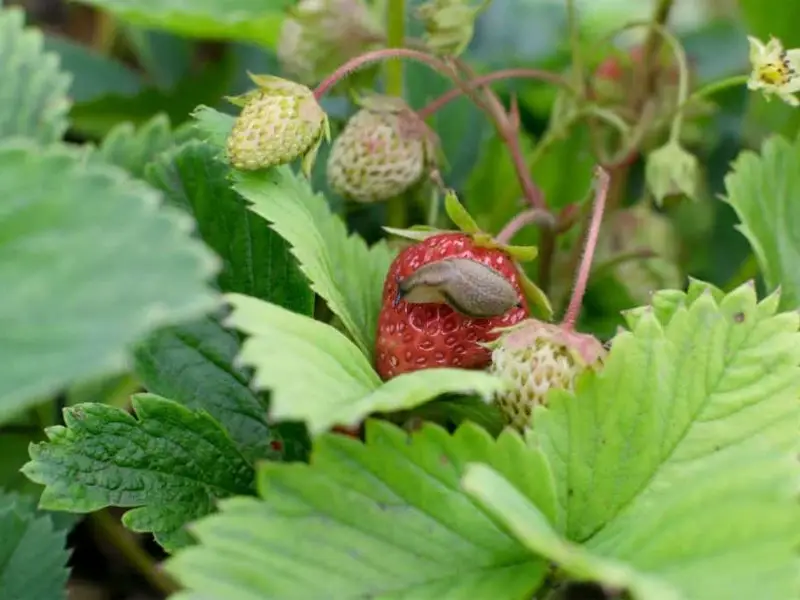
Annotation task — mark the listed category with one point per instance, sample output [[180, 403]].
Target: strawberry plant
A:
[[346, 299]]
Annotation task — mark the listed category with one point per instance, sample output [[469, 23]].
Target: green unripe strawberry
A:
[[534, 357], [280, 122], [384, 150], [320, 35]]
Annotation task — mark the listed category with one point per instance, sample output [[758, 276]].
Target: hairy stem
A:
[[528, 217], [483, 80], [123, 541], [641, 95], [602, 181], [384, 54]]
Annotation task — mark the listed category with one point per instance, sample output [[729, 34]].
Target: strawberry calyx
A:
[[467, 225]]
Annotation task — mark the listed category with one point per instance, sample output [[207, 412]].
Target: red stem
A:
[[376, 56], [527, 217], [581, 280], [451, 95]]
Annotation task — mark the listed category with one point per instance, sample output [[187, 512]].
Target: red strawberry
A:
[[414, 336]]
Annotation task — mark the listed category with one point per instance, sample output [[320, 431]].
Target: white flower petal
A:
[[757, 49]]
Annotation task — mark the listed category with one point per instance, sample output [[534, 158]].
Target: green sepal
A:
[[539, 302], [417, 233], [522, 253], [459, 215]]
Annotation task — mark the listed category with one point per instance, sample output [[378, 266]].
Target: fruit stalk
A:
[[395, 33], [602, 181]]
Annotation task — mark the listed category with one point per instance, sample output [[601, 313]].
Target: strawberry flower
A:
[[775, 70]]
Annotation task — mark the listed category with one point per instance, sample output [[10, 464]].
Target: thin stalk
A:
[[110, 530], [602, 180], [384, 54], [396, 32], [483, 80]]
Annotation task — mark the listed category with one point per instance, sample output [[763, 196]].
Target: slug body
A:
[[467, 286]]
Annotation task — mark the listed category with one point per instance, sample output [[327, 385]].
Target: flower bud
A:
[[671, 170], [280, 122], [449, 25], [320, 35]]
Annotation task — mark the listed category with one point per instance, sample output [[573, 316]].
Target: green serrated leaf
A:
[[213, 126], [35, 102], [317, 375], [132, 149], [657, 435], [530, 526], [389, 514], [347, 274], [169, 462], [90, 264], [240, 20], [194, 365], [256, 260], [763, 190], [33, 554]]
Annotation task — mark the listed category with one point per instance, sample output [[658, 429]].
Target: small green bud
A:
[[320, 35], [449, 25], [671, 170], [280, 122]]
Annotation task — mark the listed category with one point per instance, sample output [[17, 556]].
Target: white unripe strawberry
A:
[[384, 150], [534, 357]]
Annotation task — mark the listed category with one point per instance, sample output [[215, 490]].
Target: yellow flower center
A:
[[777, 72]]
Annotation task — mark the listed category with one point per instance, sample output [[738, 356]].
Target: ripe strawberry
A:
[[534, 357], [384, 150], [425, 332], [280, 121]]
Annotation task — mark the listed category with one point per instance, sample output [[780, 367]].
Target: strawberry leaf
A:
[[692, 423], [316, 375], [383, 519], [132, 148], [763, 189], [35, 102], [341, 268], [239, 20], [33, 554], [170, 463], [118, 266]]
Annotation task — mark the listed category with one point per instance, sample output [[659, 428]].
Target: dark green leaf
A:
[[171, 463]]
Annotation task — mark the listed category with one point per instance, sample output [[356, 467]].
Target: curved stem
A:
[[523, 219], [374, 56], [123, 541], [483, 80], [581, 280], [710, 89]]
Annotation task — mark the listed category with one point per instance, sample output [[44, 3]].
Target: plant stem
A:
[[384, 54], [396, 33], [110, 530], [482, 80], [581, 280], [523, 219]]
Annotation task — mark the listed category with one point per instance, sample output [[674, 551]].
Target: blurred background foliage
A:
[[140, 67]]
